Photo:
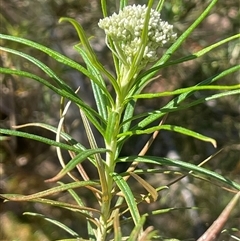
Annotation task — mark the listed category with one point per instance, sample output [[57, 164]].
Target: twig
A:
[[214, 230]]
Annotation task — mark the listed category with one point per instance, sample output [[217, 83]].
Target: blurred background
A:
[[25, 164]]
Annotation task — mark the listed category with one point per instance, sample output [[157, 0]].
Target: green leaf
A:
[[117, 227], [69, 139], [174, 128], [128, 196], [123, 3], [212, 97], [144, 39], [113, 122], [90, 53], [193, 103], [186, 33], [99, 161], [167, 210], [76, 160], [43, 67], [128, 113], [40, 139], [219, 43], [137, 229], [144, 80], [101, 94], [31, 76], [65, 91], [72, 207], [173, 105], [126, 120], [73, 97], [81, 203], [183, 165], [60, 82], [160, 5], [55, 222], [53, 54], [83, 39], [63, 187], [190, 57], [185, 90], [104, 8], [53, 129]]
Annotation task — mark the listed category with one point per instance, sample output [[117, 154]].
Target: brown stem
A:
[[214, 230]]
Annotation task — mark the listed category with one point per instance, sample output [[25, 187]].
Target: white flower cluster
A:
[[125, 30]]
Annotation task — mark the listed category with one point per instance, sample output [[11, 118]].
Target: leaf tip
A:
[[61, 19], [53, 179], [214, 143]]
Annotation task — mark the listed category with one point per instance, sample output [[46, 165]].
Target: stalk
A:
[[110, 144]]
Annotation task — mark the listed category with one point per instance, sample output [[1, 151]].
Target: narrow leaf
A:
[[142, 82], [137, 229], [117, 227], [99, 161], [167, 210], [173, 105], [40, 139], [101, 94], [152, 191], [89, 51], [184, 165], [128, 195], [104, 8], [53, 54], [55, 222], [174, 128], [128, 113], [68, 206], [53, 129], [92, 114], [184, 90], [54, 190], [42, 66], [113, 120], [190, 57], [81, 203], [76, 160]]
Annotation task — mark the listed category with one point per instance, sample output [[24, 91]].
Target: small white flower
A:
[[125, 29]]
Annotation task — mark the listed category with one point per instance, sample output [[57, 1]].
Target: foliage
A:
[[115, 214]]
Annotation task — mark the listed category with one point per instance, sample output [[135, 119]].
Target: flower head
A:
[[125, 30]]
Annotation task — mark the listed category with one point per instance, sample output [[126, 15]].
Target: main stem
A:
[[125, 79], [110, 167]]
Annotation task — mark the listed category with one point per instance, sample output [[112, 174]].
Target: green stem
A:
[[111, 144]]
